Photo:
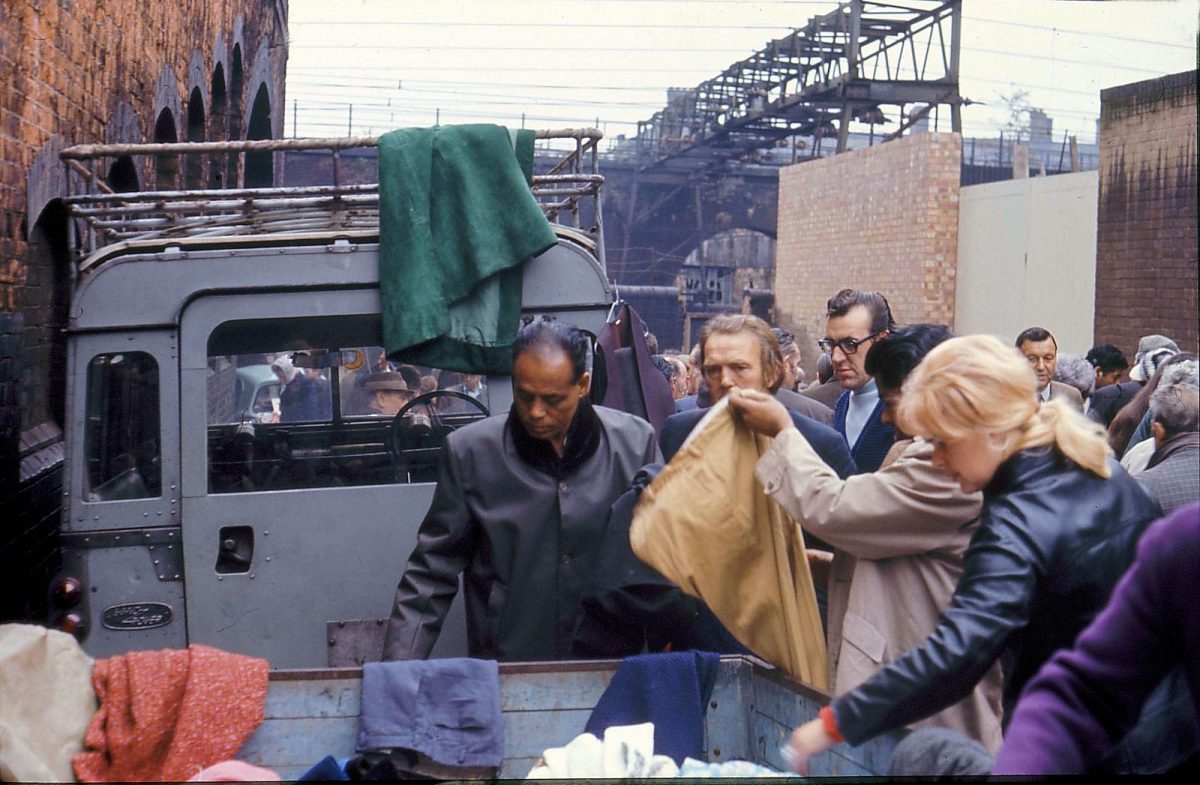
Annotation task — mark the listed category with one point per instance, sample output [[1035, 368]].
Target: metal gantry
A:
[[842, 67]]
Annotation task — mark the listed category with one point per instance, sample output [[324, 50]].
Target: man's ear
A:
[[585, 384], [1158, 431], [777, 379]]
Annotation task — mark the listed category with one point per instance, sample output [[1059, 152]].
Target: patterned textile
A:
[[1175, 481], [169, 714]]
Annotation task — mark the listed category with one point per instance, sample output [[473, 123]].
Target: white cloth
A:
[[46, 703], [626, 753], [858, 412], [1137, 457]]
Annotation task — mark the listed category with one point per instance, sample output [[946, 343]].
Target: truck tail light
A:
[[73, 623], [67, 593]]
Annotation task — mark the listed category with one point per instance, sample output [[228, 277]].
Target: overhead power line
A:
[[780, 29]]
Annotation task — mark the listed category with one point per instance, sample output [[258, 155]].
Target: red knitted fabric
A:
[[166, 715]]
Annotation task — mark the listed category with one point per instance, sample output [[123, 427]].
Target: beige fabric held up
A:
[[706, 524], [46, 701]]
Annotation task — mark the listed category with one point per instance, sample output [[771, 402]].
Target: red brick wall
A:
[[883, 218], [76, 71], [1146, 251]]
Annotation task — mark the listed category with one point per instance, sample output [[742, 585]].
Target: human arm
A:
[[908, 507], [993, 601], [430, 579], [1087, 698]]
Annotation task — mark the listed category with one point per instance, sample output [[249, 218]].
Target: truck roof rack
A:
[[104, 216]]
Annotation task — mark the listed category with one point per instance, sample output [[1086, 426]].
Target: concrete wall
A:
[[1146, 276], [1027, 256], [883, 218]]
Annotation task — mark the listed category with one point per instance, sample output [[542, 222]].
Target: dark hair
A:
[[1035, 335], [893, 358], [547, 332], [824, 368], [875, 303], [663, 364], [412, 377], [1107, 358], [1130, 416]]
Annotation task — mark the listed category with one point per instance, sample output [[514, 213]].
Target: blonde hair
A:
[[977, 384]]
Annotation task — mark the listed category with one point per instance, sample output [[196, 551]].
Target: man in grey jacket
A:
[[1173, 473], [898, 535], [520, 509]]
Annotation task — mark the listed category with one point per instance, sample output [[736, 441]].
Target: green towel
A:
[[456, 222]]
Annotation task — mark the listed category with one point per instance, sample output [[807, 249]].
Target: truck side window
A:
[[122, 439]]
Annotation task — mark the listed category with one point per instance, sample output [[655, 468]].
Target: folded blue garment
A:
[[671, 690], [327, 770], [448, 710]]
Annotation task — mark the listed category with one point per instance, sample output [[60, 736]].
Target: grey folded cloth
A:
[[928, 752], [448, 710]]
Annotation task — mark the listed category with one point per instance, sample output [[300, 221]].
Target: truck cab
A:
[[200, 504]]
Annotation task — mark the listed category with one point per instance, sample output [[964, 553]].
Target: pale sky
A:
[[367, 66]]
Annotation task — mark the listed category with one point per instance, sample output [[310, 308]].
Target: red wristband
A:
[[829, 723]]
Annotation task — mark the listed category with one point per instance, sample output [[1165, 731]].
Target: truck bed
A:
[[754, 707]]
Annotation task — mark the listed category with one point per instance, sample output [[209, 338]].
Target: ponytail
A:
[[1080, 439]]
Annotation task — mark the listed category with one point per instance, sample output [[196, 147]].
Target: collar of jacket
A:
[[1023, 466], [1180, 442], [583, 439]]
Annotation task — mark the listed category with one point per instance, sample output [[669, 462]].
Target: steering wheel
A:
[[415, 430]]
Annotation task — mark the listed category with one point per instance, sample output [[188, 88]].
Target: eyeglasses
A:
[[847, 345]]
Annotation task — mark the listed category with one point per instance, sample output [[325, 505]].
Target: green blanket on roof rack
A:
[[456, 222]]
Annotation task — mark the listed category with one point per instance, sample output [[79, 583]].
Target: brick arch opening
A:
[[122, 175], [194, 164], [166, 167], [259, 165], [218, 124], [46, 310], [721, 267]]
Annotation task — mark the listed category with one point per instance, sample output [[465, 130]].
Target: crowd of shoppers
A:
[[968, 518]]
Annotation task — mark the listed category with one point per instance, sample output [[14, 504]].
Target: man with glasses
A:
[[855, 321]]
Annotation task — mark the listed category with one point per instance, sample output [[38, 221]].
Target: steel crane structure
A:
[[843, 66]]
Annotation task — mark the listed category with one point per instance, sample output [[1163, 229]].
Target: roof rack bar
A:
[[86, 151]]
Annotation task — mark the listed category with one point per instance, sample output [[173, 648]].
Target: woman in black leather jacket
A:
[[1059, 526]]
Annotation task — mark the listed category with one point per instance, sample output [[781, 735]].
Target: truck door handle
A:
[[235, 550]]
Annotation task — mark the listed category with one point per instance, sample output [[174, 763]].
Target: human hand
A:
[[806, 742], [759, 411]]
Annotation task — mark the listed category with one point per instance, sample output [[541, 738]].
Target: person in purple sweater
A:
[[1085, 699]]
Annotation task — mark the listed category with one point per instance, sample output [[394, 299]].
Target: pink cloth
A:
[[235, 771], [166, 715]]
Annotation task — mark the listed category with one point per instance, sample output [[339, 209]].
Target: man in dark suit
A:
[[855, 321], [737, 350]]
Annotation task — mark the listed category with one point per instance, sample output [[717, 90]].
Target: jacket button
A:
[[564, 559], [562, 486]]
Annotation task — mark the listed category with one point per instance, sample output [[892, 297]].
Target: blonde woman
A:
[[1059, 526]]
